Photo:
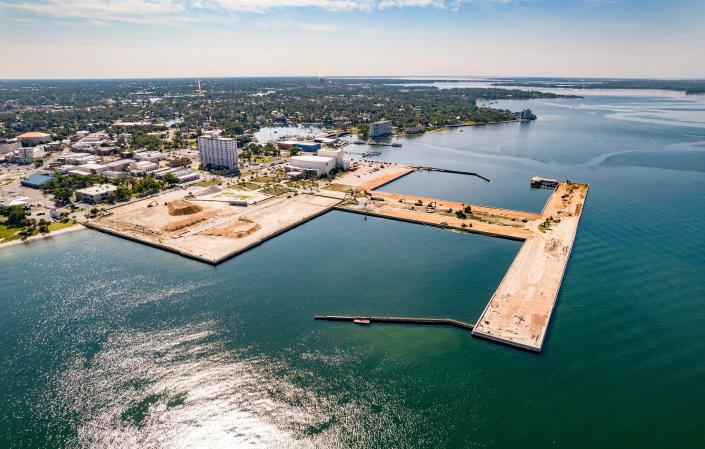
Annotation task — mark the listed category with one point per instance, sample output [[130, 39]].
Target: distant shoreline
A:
[[460, 125]]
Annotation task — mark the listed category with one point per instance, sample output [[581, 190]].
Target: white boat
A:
[[361, 321]]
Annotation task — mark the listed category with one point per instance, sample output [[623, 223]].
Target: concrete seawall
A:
[[471, 230]]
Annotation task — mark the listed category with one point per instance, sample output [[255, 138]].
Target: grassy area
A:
[[8, 233], [55, 226], [247, 185], [12, 233], [338, 187], [212, 182], [275, 189], [267, 178]]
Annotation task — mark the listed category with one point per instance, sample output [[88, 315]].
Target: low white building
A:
[[150, 156], [338, 154], [78, 172], [33, 138], [94, 138], [77, 158], [142, 167], [53, 146], [318, 165], [111, 174], [9, 145], [95, 194], [382, 128], [183, 175], [63, 169], [92, 168], [27, 155], [119, 165]]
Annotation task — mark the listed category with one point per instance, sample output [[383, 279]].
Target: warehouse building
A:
[[315, 165], [37, 180], [308, 147]]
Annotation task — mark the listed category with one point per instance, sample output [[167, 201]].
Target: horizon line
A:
[[460, 77]]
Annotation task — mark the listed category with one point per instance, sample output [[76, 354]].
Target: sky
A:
[[214, 38]]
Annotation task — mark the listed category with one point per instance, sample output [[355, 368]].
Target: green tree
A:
[[123, 193], [170, 179], [16, 215], [43, 226]]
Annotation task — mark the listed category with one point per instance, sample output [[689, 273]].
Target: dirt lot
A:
[[214, 233], [520, 310]]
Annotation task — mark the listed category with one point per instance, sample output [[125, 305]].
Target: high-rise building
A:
[[381, 128], [217, 151], [527, 114]]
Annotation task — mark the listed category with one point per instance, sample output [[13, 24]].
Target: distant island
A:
[[687, 86]]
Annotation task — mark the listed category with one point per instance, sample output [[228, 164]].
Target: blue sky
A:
[[154, 38]]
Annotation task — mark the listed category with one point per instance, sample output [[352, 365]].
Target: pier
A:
[[398, 320], [456, 172], [519, 312]]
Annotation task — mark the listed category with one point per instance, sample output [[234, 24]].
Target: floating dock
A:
[[398, 320], [547, 183]]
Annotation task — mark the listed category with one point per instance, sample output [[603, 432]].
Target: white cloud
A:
[[104, 11], [305, 26], [167, 11]]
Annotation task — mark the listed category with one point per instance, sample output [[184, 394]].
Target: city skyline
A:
[[220, 38]]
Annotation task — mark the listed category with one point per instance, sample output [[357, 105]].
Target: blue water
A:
[[108, 343]]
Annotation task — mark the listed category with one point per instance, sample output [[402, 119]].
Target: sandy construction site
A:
[[214, 224], [519, 312], [209, 231]]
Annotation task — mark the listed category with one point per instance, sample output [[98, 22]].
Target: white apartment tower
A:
[[217, 151], [381, 128]]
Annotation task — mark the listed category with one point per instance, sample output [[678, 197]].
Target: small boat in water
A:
[[361, 321]]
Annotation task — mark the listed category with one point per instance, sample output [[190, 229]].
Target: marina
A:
[[519, 312]]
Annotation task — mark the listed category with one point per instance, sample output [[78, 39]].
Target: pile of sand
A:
[[188, 221], [183, 207], [241, 228]]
